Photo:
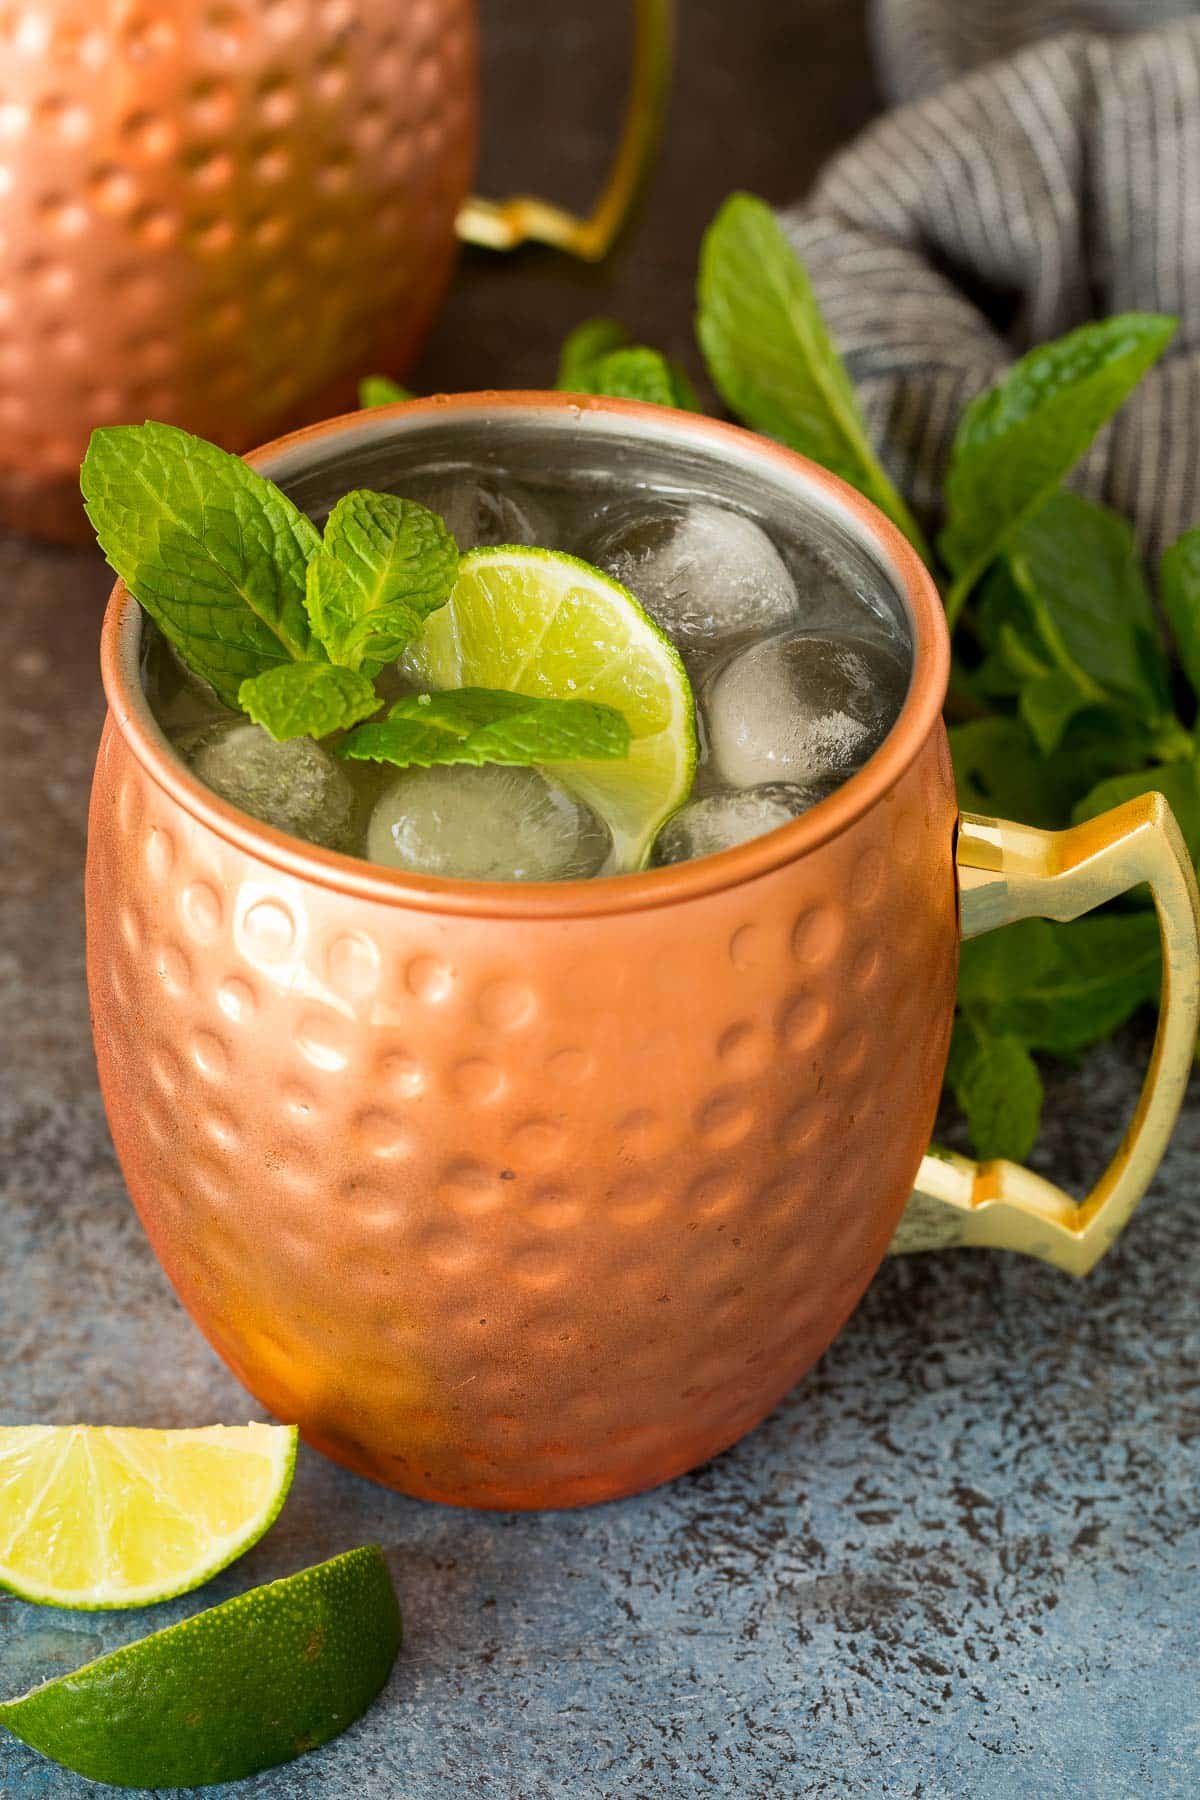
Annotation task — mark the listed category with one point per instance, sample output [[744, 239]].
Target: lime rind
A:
[[105, 1596], [544, 623], [240, 1687]]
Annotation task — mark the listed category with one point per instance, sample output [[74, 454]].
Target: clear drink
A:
[[793, 636]]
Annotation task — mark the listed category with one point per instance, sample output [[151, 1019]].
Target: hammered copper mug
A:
[[529, 1196], [221, 213]]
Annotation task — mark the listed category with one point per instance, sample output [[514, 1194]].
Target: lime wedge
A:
[[539, 622], [244, 1686], [101, 1516]]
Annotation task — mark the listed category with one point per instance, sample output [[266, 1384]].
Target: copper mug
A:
[[223, 212], [525, 1196]]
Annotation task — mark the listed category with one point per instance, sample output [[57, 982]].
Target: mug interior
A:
[[623, 446]]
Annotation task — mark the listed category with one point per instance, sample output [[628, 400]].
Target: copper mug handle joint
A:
[[503, 224], [1009, 872]]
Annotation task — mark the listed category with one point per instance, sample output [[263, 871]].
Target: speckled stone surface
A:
[[961, 1559]]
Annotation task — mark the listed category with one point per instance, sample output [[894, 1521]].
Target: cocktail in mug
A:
[[520, 1173]]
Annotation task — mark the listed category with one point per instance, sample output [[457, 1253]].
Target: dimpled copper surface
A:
[[217, 213], [523, 1212]]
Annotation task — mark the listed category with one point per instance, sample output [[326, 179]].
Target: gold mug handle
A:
[[503, 224], [1008, 872]]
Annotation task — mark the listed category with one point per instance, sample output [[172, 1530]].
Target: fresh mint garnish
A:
[[308, 699], [292, 627], [486, 725], [1018, 442], [599, 358], [214, 552], [383, 566]]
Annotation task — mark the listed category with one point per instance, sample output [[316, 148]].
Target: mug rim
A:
[[130, 713]]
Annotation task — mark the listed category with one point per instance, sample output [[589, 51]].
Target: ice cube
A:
[[488, 824], [704, 574], [295, 785], [475, 511], [802, 707], [734, 816]]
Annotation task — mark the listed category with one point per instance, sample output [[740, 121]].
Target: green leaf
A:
[[383, 566], [1061, 987], [598, 358], [771, 357], [1049, 703], [214, 552], [998, 769], [308, 699], [640, 374], [586, 345], [486, 725], [997, 1086], [1180, 579], [1079, 570], [1178, 782], [1016, 442], [380, 390]]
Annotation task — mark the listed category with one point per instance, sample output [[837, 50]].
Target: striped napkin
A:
[[1008, 201]]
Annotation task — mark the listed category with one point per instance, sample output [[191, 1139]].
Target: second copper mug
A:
[[221, 213], [523, 1196]]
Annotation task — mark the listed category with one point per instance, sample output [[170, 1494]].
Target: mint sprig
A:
[[213, 552], [292, 627], [487, 725], [1018, 442], [384, 564]]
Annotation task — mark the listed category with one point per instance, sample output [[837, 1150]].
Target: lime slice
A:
[[100, 1516], [244, 1686], [539, 622]]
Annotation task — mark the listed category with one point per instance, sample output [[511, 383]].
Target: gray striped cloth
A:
[[1008, 203]]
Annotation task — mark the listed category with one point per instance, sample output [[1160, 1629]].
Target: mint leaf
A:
[[598, 358], [998, 769], [771, 357], [1049, 702], [1016, 442], [585, 347], [640, 374], [383, 566], [380, 390], [308, 699], [1061, 987], [1180, 578], [997, 1086], [1078, 567], [1178, 782], [485, 725], [214, 552]]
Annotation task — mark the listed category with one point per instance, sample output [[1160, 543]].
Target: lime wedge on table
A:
[[100, 1516], [241, 1687], [538, 622]]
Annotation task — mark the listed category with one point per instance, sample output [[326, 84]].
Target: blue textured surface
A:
[[961, 1558]]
